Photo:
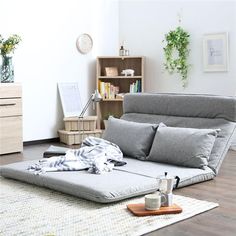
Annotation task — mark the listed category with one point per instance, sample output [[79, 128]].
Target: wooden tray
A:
[[139, 210]]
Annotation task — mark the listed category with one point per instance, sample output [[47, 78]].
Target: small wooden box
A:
[[87, 123], [76, 137]]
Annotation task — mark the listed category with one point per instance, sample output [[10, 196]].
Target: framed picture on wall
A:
[[215, 52]]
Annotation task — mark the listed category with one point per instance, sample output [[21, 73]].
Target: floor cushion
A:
[[134, 179]]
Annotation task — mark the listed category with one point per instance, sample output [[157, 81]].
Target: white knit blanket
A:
[[95, 155]]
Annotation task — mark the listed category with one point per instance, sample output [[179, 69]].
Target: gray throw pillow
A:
[[182, 146], [134, 139]]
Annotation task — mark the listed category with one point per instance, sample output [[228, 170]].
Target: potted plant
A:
[[7, 48], [176, 53]]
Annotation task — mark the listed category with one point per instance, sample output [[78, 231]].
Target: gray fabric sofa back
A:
[[186, 110], [185, 105]]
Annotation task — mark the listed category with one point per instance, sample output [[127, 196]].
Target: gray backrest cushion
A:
[[184, 105], [134, 139], [134, 104], [182, 146]]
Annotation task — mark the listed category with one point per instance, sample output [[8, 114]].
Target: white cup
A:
[[153, 201]]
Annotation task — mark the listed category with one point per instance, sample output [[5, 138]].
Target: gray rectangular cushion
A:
[[182, 146], [183, 105], [191, 111], [134, 139], [134, 179]]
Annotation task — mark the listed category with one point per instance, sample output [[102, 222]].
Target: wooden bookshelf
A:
[[112, 100], [119, 77], [111, 105]]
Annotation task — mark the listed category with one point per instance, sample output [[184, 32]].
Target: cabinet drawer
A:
[[10, 107], [10, 90], [11, 134]]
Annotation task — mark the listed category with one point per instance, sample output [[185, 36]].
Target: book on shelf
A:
[[135, 87], [108, 90]]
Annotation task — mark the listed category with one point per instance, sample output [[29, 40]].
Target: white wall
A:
[[47, 54], [143, 24]]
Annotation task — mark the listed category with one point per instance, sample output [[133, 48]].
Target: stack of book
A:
[[108, 90], [135, 87]]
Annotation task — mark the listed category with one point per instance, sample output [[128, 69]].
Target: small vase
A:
[[6, 70]]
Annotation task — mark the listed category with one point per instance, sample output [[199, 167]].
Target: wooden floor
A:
[[216, 222]]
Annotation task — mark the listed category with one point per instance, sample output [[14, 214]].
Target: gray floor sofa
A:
[[138, 177]]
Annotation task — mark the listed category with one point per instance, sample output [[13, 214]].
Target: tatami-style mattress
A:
[[134, 179]]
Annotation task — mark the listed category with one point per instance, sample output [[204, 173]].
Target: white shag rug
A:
[[30, 210]]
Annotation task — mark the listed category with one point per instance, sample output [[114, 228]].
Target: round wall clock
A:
[[84, 43]]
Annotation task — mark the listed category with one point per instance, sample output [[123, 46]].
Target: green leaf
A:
[[178, 40]]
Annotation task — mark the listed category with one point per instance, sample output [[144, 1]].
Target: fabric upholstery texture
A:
[[113, 186], [134, 179], [222, 141], [220, 113], [182, 146], [134, 139], [187, 175], [140, 177], [184, 105]]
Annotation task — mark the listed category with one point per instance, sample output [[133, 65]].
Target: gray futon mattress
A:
[[134, 179]]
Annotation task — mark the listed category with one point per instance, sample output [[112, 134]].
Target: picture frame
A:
[[70, 99], [215, 52], [111, 71]]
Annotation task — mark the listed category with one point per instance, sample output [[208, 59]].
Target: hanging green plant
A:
[[176, 53]]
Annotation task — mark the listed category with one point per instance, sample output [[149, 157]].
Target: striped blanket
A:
[[95, 154]]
